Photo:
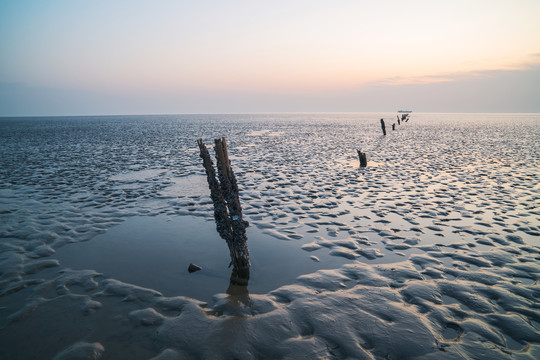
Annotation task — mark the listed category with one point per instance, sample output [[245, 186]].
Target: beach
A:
[[431, 251]]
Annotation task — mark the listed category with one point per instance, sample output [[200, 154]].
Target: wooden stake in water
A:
[[383, 127], [227, 209], [362, 158]]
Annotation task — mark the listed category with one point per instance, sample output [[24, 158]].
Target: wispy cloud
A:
[[532, 62]]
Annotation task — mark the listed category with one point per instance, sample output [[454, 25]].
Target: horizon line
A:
[[267, 113]]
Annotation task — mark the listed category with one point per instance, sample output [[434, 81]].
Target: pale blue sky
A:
[[144, 57]]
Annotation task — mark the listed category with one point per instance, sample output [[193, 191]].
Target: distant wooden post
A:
[[362, 158], [383, 127], [394, 126], [227, 210], [398, 120]]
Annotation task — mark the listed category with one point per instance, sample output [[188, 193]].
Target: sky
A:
[[75, 57]]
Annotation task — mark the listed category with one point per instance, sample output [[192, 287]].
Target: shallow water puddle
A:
[[139, 175], [265, 132], [155, 252], [187, 186]]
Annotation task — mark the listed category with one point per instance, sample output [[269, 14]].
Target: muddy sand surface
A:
[[430, 252]]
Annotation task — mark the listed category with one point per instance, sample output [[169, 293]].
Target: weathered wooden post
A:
[[394, 126], [362, 158], [383, 127], [227, 210], [398, 120]]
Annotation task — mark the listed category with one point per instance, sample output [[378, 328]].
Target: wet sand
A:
[[431, 251]]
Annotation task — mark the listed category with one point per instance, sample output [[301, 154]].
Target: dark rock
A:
[[193, 268]]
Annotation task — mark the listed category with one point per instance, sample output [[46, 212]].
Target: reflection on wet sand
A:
[[238, 291]]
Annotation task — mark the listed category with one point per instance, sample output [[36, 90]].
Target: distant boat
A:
[[405, 111]]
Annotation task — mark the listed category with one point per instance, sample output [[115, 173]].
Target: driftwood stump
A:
[[362, 157], [227, 210], [383, 127], [394, 126]]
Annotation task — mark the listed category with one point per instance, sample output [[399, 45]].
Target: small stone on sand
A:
[[193, 268]]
